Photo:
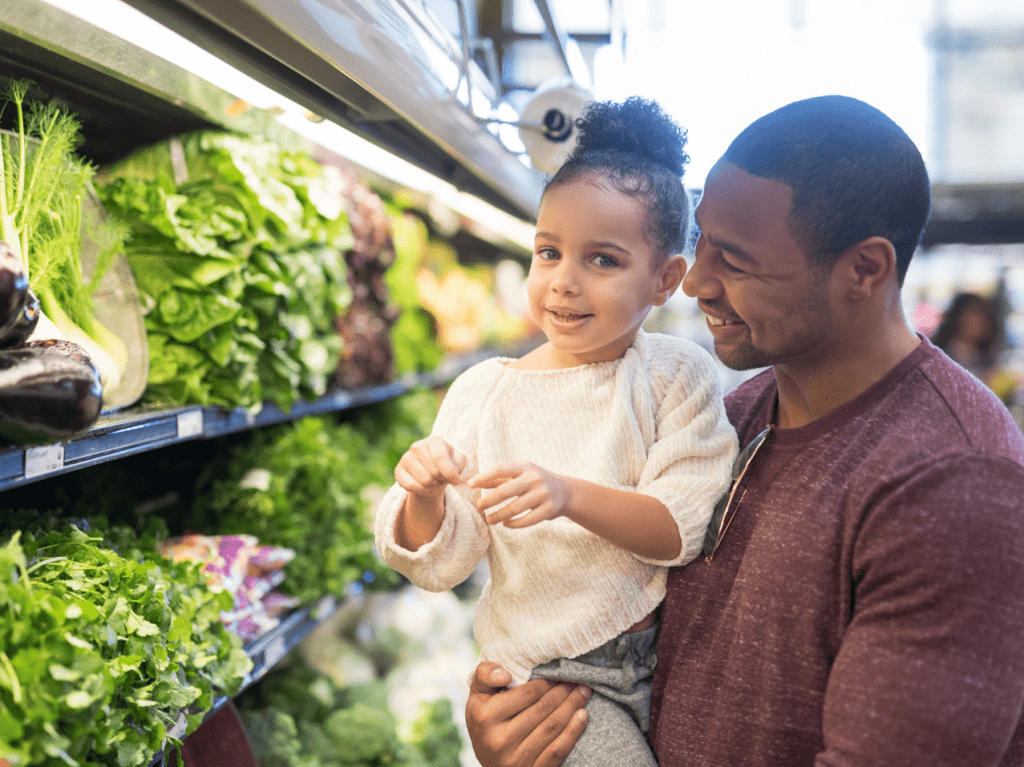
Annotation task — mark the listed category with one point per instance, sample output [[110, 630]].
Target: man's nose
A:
[[698, 282]]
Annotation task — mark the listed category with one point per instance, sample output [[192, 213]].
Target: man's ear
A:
[[672, 273], [867, 267]]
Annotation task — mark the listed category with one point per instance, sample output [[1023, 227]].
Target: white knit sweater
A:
[[652, 421]]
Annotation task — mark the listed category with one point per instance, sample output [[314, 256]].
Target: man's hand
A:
[[532, 725], [528, 488]]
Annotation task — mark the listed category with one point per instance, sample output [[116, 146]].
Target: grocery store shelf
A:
[[138, 430]]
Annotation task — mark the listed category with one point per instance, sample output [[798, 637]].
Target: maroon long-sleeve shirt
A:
[[866, 606]]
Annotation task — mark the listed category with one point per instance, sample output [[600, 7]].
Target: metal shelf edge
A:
[[119, 435]]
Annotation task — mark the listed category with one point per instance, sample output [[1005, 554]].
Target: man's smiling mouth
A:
[[718, 322]]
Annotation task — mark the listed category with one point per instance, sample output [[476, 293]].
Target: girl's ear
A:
[[671, 276]]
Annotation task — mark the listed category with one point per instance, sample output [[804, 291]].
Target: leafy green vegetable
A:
[[310, 486], [298, 716], [43, 188], [241, 266], [414, 334], [100, 653], [435, 737]]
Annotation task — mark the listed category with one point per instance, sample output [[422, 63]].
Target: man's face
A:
[[765, 304]]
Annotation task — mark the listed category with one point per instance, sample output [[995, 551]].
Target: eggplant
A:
[[14, 291], [25, 323], [49, 391]]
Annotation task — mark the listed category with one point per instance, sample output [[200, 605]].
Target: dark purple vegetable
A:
[[25, 324], [49, 391], [14, 292], [367, 357]]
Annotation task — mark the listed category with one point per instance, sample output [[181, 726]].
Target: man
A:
[[862, 601]]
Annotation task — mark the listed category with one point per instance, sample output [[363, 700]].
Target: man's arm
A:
[[535, 724], [931, 667]]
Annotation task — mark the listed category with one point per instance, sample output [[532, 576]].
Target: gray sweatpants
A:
[[619, 672]]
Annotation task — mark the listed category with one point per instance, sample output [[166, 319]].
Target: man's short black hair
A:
[[853, 171]]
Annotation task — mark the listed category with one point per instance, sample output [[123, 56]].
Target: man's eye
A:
[[730, 268]]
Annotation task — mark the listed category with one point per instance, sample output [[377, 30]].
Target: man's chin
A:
[[741, 358]]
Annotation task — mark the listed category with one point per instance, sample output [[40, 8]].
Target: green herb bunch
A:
[[101, 653], [310, 485], [241, 266]]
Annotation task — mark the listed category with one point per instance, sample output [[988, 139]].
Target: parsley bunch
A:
[[100, 653]]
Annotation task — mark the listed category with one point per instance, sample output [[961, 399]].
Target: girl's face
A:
[[595, 274]]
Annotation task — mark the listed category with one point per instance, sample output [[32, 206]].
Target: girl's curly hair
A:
[[639, 150]]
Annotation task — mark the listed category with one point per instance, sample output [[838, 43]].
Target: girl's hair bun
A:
[[635, 126]]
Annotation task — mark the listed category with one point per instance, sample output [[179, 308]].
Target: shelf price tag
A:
[[43, 460], [274, 652], [190, 423]]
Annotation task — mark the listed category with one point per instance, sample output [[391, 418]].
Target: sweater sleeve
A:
[[689, 465], [463, 539], [931, 667]]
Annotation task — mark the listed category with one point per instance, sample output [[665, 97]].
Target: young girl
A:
[[587, 467]]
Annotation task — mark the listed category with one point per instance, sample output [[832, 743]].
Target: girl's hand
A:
[[540, 493], [429, 466]]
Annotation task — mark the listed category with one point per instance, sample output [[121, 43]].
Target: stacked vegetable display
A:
[[101, 652], [50, 386], [240, 263]]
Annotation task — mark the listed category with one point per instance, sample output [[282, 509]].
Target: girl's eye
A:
[[547, 254], [603, 260]]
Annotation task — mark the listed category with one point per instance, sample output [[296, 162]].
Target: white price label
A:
[[190, 423], [43, 460], [274, 652]]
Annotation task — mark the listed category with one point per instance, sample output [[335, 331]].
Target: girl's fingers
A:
[[421, 468], [534, 500], [527, 520], [503, 492], [448, 462], [407, 481], [460, 460], [497, 475]]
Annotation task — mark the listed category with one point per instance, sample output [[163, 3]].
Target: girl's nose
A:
[[565, 278]]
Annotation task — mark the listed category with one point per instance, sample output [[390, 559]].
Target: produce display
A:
[[247, 570], [264, 277], [241, 268], [464, 311], [42, 222], [44, 293], [366, 326], [101, 651], [298, 717], [332, 472]]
